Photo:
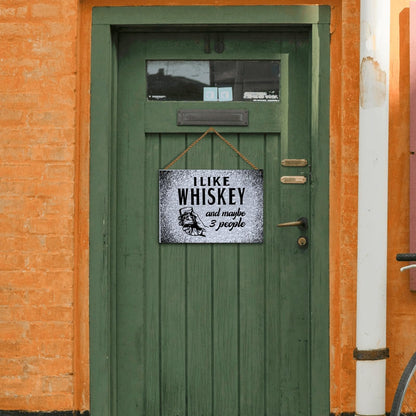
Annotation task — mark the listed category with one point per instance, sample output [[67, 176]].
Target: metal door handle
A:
[[301, 222]]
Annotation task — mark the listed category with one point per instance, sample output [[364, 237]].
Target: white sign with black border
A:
[[210, 206]]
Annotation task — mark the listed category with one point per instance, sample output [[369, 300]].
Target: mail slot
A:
[[212, 117]]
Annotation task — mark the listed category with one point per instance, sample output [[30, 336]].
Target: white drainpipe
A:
[[372, 206]]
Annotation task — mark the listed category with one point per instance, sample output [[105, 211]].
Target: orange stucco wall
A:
[[401, 303], [44, 134]]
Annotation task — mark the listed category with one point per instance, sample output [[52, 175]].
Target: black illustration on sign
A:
[[190, 222]]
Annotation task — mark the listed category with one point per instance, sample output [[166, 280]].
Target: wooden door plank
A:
[[294, 265], [272, 273], [199, 301], [273, 313], [251, 304], [128, 278], [151, 287], [319, 291], [225, 308], [102, 385], [299, 92], [172, 305]]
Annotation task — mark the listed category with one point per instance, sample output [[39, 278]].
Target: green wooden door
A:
[[211, 329]]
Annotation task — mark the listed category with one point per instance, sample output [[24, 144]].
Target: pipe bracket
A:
[[371, 355]]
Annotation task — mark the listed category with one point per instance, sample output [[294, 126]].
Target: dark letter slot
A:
[[212, 118]]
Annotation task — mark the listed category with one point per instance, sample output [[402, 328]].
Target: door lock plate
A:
[[296, 180], [294, 162]]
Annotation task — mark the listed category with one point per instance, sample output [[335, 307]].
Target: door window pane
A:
[[219, 80]]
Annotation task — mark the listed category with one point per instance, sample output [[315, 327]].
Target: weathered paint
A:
[[374, 83]]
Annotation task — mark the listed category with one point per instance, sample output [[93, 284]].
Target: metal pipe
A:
[[372, 203]]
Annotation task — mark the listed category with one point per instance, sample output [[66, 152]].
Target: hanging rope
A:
[[210, 130]]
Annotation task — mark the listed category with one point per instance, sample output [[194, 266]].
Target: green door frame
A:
[[107, 21]]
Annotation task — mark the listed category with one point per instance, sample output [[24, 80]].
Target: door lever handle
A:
[[301, 222]]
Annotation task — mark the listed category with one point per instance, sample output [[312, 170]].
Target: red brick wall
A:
[[37, 136]]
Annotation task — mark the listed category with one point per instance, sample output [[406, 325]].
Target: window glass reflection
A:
[[243, 80]]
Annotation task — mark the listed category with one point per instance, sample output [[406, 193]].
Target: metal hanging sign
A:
[[210, 206]]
